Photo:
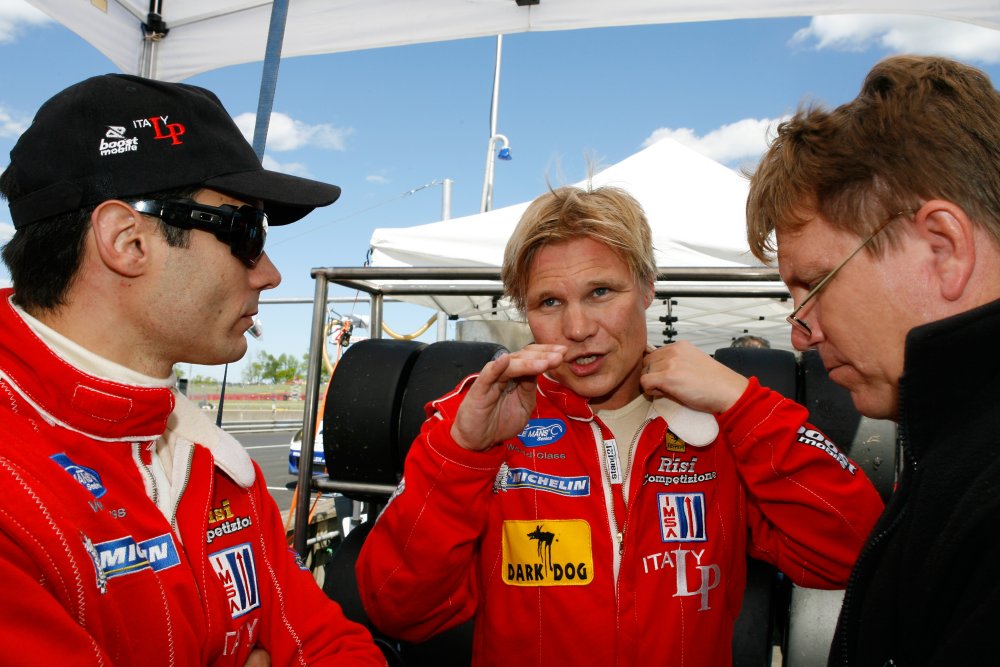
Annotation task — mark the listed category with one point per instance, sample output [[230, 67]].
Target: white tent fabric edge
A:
[[193, 44]]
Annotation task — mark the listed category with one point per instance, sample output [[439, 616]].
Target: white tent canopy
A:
[[205, 35], [696, 207]]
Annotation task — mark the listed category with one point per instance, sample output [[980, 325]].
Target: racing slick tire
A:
[[361, 415], [438, 369]]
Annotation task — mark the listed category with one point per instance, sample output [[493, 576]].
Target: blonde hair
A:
[[606, 214]]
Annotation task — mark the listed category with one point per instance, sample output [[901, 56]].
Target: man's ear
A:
[[650, 293], [950, 234], [121, 237]]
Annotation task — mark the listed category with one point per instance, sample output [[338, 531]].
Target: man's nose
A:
[[265, 274], [578, 323]]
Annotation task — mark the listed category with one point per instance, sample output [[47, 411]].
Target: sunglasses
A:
[[243, 229]]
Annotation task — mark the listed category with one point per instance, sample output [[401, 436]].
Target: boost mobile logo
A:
[[118, 142]]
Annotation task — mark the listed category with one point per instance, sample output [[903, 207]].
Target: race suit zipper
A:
[[137, 455], [180, 491]]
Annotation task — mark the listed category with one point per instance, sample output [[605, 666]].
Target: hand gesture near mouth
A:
[[502, 397]]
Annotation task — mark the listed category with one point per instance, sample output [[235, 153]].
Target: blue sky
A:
[[384, 122]]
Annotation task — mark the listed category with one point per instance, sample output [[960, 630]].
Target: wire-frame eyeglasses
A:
[[800, 324]]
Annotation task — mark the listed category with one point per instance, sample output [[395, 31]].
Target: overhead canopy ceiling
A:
[[207, 35]]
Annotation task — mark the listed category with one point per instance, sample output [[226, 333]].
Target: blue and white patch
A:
[[237, 571], [523, 478], [87, 477], [682, 517], [541, 432], [126, 556]]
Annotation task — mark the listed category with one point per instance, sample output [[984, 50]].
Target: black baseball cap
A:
[[118, 136]]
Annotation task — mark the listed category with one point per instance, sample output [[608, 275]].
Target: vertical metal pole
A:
[[316, 342], [446, 199], [375, 326], [269, 77], [495, 101]]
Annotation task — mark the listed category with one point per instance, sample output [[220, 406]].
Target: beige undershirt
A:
[[624, 423]]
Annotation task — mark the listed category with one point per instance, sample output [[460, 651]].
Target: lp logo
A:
[[711, 576], [172, 131]]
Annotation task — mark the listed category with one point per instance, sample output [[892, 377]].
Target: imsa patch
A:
[[682, 517], [237, 571]]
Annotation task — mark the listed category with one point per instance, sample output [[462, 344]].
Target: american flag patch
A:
[[682, 517], [238, 573]]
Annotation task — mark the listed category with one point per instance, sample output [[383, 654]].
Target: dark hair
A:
[[44, 257], [922, 127], [749, 340]]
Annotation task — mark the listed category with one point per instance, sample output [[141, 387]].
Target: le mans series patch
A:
[[87, 477], [237, 571], [541, 432], [547, 553]]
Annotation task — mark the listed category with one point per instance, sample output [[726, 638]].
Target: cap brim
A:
[[286, 198]]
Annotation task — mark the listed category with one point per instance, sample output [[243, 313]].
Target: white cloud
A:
[[6, 231], [902, 34], [285, 133], [293, 168], [744, 140], [381, 179], [11, 125], [16, 15]]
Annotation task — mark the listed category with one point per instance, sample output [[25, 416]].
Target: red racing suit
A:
[[524, 536], [94, 573]]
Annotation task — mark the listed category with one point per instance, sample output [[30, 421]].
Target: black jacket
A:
[[926, 587]]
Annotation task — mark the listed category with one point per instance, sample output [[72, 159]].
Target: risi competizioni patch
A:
[[547, 553]]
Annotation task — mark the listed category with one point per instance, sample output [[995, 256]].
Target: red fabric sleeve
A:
[[810, 508]]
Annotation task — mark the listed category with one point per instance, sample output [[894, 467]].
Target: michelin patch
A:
[[547, 553], [525, 478], [124, 555]]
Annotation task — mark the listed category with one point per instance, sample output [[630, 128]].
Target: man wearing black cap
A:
[[132, 530]]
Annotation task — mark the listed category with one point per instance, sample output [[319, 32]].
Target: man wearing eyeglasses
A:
[[132, 530], [885, 217]]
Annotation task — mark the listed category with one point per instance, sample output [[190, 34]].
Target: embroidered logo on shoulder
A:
[[126, 556], [524, 478], [682, 517], [816, 439], [87, 477], [541, 432], [547, 553], [237, 572]]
